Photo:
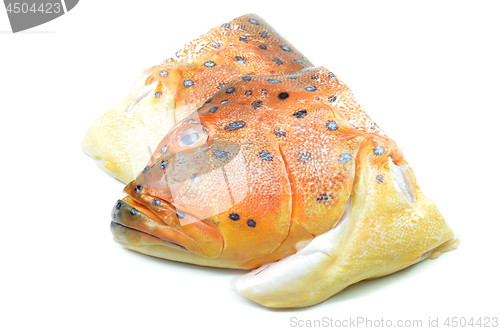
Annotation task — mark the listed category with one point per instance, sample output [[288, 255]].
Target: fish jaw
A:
[[136, 226]]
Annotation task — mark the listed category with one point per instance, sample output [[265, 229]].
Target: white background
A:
[[426, 71]]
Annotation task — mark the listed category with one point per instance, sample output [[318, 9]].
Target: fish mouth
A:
[[136, 227], [131, 225], [129, 236]]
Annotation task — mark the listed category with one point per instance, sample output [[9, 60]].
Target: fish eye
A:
[[190, 135], [190, 138]]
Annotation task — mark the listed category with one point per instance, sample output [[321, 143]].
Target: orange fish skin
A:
[[121, 140], [268, 171]]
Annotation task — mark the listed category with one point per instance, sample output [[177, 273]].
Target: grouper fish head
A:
[[286, 173], [260, 169], [214, 193], [206, 200]]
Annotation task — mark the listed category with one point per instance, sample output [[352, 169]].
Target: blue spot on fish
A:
[[235, 125], [345, 158], [378, 150], [331, 125], [266, 156], [240, 59], [220, 154], [304, 157], [257, 104], [300, 113]]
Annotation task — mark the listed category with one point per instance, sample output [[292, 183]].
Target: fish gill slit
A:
[[228, 186], [350, 200], [289, 181]]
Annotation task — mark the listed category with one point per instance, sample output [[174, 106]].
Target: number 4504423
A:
[[484, 322], [47, 8]]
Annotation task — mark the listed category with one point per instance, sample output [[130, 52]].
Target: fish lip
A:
[[118, 216], [114, 223]]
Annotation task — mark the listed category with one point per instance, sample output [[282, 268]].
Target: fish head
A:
[[210, 194], [218, 189], [218, 185]]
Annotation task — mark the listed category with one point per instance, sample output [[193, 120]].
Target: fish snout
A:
[[136, 227], [131, 226]]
